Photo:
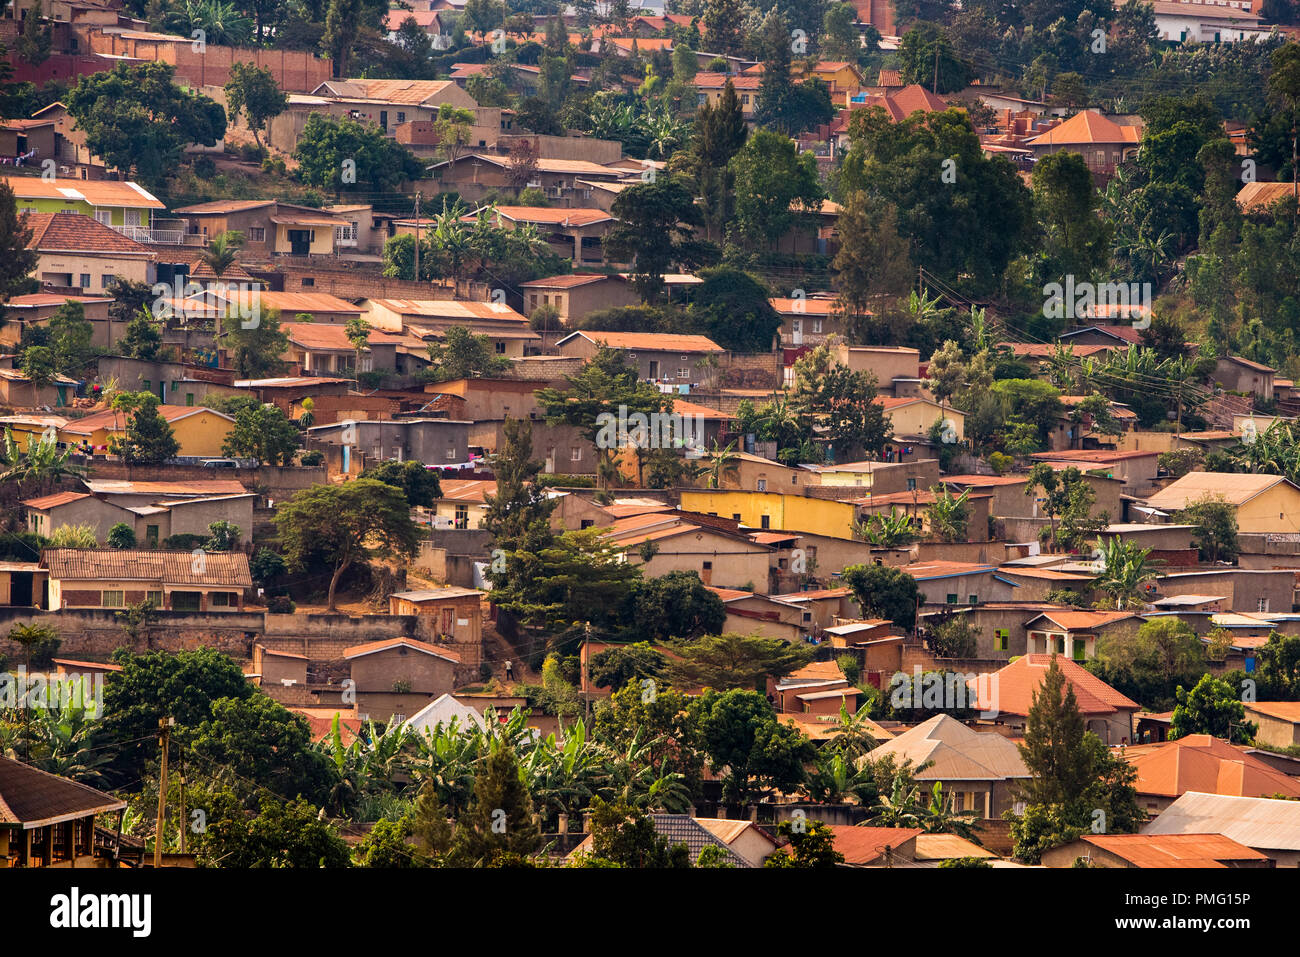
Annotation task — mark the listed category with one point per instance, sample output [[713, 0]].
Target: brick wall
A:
[[279, 481], [295, 71], [758, 370]]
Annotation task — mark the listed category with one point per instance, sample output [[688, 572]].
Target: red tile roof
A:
[[73, 232]]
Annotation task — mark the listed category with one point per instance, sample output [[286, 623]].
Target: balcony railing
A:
[[166, 237]]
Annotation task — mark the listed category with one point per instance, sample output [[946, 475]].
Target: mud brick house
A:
[[397, 677], [173, 580], [457, 612]]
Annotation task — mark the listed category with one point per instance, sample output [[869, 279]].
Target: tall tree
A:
[[253, 92], [654, 232], [345, 524]]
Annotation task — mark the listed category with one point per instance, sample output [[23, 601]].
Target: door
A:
[[654, 368], [299, 242], [185, 601], [20, 589], [383, 120]]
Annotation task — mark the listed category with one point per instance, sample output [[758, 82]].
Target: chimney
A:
[[692, 811], [564, 823]]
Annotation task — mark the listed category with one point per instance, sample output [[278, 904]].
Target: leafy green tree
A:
[[774, 184], [70, 337], [873, 264], [883, 591], [36, 39], [1216, 529], [1075, 781], [280, 834], [344, 524], [842, 402], [258, 739], [1151, 663], [258, 350], [717, 135], [386, 845], [1066, 204], [253, 92], [1211, 706], [463, 355], [498, 829], [746, 744], [16, 260], [724, 24], [965, 217], [344, 156], [121, 535], [139, 121], [149, 440], [420, 485], [810, 846], [733, 661], [39, 366], [621, 836], [926, 50], [143, 340], [676, 605], [342, 27], [734, 310], [623, 664], [262, 432], [223, 536], [158, 684], [653, 232]]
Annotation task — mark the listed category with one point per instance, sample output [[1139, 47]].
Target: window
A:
[[103, 280], [131, 217], [257, 234], [112, 599], [401, 117], [952, 599], [154, 596], [189, 398], [766, 521], [762, 485], [1079, 649], [911, 485], [575, 454], [148, 384], [1262, 605], [501, 348], [151, 536], [451, 454], [308, 281], [1001, 639], [735, 516], [221, 599], [104, 216], [974, 599], [1060, 644], [85, 280], [817, 325], [462, 516], [588, 522]]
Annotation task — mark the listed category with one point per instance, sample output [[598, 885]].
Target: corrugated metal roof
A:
[[132, 564], [32, 797], [1261, 823]]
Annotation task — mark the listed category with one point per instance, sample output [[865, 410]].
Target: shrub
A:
[[280, 605], [314, 457]]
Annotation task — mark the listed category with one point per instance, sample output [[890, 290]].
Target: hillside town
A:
[[715, 434]]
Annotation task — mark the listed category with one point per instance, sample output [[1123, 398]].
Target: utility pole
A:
[[164, 739], [935, 88], [184, 824], [417, 236]]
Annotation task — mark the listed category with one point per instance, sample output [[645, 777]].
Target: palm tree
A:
[[1123, 570], [894, 530], [722, 463], [837, 779], [941, 818], [850, 736], [901, 808], [949, 514], [222, 252], [358, 332], [41, 462]]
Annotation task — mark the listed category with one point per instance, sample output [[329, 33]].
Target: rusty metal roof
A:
[[135, 564]]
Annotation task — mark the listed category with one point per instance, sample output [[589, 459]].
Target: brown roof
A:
[[651, 342], [865, 845], [1174, 850], [1256, 197], [331, 337], [73, 232], [1083, 620], [32, 798], [567, 282], [100, 192], [225, 206], [137, 564], [551, 216], [370, 648], [1200, 762], [1017, 682], [53, 501], [1236, 488], [1085, 127]]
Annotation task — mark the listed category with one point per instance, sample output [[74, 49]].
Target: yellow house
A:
[[30, 429], [199, 431], [914, 416], [817, 516], [1264, 503]]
